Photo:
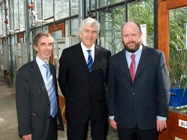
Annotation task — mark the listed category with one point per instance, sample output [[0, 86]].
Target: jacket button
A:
[[133, 94]]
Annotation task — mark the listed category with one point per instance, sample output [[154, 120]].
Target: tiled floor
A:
[[8, 116]]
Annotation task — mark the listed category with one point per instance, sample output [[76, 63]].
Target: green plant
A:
[[178, 51]]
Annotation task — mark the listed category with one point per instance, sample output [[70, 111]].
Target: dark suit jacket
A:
[[33, 105], [139, 103], [85, 92]]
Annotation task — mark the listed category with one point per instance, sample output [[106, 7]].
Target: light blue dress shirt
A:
[[138, 54]]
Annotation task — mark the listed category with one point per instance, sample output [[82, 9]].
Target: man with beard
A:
[[138, 88]]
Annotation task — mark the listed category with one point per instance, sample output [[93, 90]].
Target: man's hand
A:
[[161, 125], [113, 123], [27, 137]]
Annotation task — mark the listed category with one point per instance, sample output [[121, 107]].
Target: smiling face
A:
[[88, 35], [131, 35], [44, 47]]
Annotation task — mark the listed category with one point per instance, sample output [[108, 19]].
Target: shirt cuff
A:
[[111, 117], [161, 118]]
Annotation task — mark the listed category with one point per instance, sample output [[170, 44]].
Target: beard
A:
[[132, 47]]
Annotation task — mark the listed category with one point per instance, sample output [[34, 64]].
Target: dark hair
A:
[[39, 35]]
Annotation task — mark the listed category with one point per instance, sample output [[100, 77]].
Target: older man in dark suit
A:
[[37, 95], [82, 78], [138, 88]]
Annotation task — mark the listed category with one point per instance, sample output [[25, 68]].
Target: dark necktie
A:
[[90, 60], [132, 68], [51, 92]]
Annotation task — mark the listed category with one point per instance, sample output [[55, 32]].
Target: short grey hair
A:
[[89, 22]]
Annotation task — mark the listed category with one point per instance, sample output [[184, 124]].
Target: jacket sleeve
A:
[[63, 72], [163, 86], [23, 103]]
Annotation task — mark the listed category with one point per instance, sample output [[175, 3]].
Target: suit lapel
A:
[[144, 59], [35, 72], [97, 58], [80, 57], [123, 64]]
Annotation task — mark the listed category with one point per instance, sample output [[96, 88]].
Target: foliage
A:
[[141, 12], [178, 52]]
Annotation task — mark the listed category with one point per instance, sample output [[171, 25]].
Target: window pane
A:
[[47, 9], [102, 3], [110, 34], [11, 12], [143, 13], [16, 14], [61, 9], [38, 9], [21, 15], [177, 50], [74, 7], [114, 1], [74, 27], [1, 19]]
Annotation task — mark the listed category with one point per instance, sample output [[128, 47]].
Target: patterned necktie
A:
[[132, 68], [51, 91], [90, 60]]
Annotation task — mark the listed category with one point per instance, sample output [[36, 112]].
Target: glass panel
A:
[[57, 34], [38, 30], [93, 4], [114, 1], [102, 3], [46, 28], [178, 59], [1, 20], [74, 27], [11, 12], [58, 9], [61, 9], [110, 34], [47, 9], [74, 7], [21, 15], [178, 49], [143, 13], [38, 10], [16, 14], [3, 15], [67, 28]]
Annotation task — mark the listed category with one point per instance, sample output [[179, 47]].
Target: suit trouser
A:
[[137, 134], [52, 133], [79, 131]]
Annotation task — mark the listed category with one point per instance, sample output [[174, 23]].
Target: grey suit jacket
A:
[[85, 92], [32, 102], [139, 103]]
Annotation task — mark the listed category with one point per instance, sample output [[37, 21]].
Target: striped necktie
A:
[[90, 60], [51, 91]]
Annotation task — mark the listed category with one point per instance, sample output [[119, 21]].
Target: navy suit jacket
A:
[[139, 103], [32, 101], [84, 92]]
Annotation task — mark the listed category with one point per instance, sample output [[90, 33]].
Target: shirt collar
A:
[[85, 49], [136, 53], [40, 62]]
